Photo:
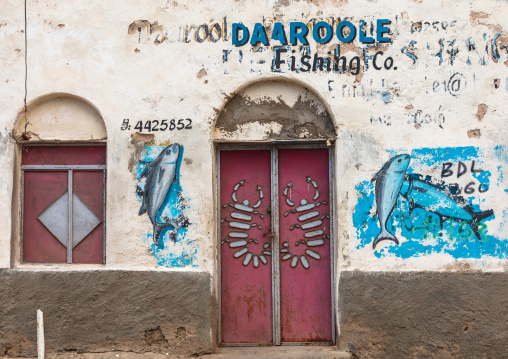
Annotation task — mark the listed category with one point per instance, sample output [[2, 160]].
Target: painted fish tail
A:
[[157, 230], [384, 235], [477, 217], [480, 216], [474, 227]]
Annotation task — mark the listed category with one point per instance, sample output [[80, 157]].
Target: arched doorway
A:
[[274, 152], [60, 183]]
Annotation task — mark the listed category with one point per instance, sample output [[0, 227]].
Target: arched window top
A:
[[61, 117], [274, 110]]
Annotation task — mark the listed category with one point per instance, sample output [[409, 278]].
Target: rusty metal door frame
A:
[[275, 227]]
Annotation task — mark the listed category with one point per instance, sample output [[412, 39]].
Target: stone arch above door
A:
[[60, 117], [274, 110]]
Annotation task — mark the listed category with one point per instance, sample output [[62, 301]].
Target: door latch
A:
[[271, 235]]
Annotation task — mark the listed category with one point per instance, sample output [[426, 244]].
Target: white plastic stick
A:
[[40, 334]]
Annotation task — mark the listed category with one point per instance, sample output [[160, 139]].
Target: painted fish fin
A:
[[181, 199], [477, 217], [147, 169], [442, 220], [474, 227], [161, 173], [385, 166], [384, 235], [142, 209], [158, 228], [139, 191], [412, 206], [480, 216]]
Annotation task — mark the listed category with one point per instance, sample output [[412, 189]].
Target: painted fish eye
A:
[[399, 160]]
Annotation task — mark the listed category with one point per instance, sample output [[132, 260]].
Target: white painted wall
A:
[[85, 50]]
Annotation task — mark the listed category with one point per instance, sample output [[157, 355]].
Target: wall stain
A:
[[142, 137], [482, 110], [302, 120], [474, 133], [479, 17], [139, 26], [138, 141], [279, 3], [155, 336], [201, 73], [181, 333]]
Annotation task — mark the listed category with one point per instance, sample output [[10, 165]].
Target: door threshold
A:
[[279, 352]]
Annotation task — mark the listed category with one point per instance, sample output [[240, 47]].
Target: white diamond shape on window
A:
[[56, 219]]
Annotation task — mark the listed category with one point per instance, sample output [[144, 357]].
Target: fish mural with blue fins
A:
[[159, 175], [392, 181], [389, 181]]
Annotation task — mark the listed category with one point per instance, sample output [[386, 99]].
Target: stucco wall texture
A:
[[417, 126], [101, 311]]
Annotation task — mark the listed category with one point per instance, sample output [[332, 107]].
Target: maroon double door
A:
[[275, 247]]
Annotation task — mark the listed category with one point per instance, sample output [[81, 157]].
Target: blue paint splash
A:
[[432, 156], [421, 233], [183, 253]]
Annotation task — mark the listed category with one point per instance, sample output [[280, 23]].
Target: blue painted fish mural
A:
[[450, 204], [160, 175], [388, 184], [436, 197], [439, 199]]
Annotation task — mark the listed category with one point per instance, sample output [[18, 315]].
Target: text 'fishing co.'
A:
[[290, 42], [322, 33]]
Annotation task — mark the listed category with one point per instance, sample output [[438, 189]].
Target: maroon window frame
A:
[[63, 204]]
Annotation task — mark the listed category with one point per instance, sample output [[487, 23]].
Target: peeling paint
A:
[[482, 110], [201, 73], [302, 119], [474, 133]]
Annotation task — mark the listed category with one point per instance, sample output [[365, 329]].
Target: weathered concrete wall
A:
[[439, 84], [423, 314], [166, 72], [98, 311]]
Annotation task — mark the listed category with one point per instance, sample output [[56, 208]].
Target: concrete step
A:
[[282, 352], [286, 352]]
